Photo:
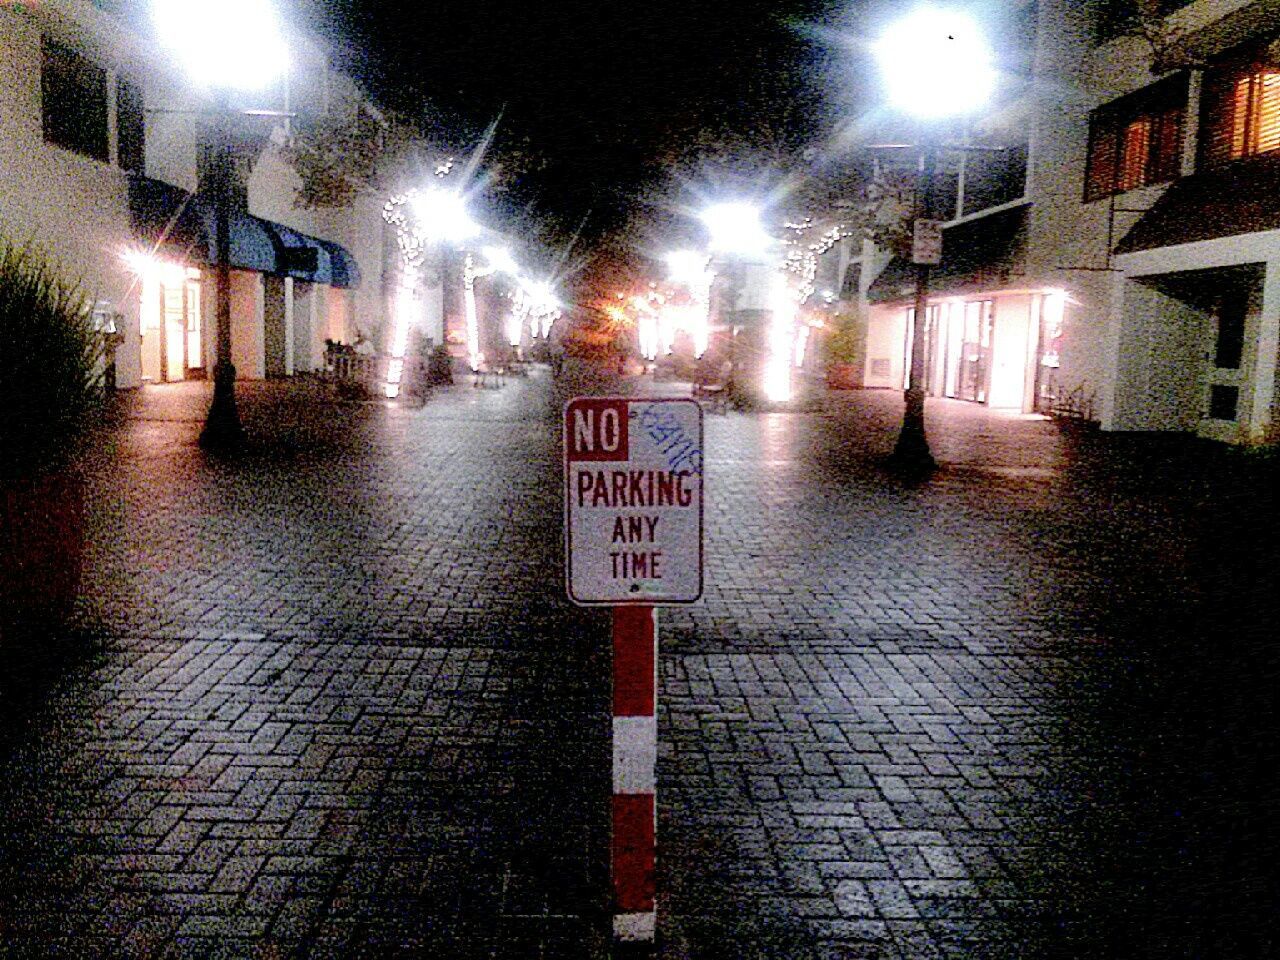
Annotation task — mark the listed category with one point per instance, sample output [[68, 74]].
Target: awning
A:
[[300, 256], [1243, 197], [342, 265], [977, 255], [184, 225]]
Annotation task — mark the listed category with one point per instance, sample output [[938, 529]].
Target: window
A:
[[1136, 141], [1241, 109], [992, 179], [1232, 311], [74, 101], [1224, 402], [130, 126]]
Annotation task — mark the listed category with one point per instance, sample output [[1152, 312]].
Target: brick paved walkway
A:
[[336, 705]]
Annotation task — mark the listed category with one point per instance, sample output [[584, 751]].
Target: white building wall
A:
[[73, 207], [248, 349], [273, 191], [77, 208], [1262, 335], [886, 339], [172, 133], [1067, 239], [1160, 359]]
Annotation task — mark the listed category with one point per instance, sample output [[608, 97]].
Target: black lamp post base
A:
[[222, 431], [911, 456]]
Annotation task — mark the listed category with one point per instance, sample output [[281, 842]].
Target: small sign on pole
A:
[[926, 242], [633, 540]]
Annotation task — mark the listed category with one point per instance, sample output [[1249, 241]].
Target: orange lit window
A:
[[1241, 116], [1137, 140]]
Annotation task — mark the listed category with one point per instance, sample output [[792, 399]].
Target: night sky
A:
[[606, 91]]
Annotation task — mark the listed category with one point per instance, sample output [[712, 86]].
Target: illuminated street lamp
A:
[[442, 215], [936, 65], [224, 46], [737, 236], [497, 260], [736, 230]]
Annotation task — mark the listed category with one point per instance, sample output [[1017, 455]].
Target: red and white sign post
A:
[[633, 541]]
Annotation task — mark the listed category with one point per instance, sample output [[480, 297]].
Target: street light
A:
[[737, 235], [936, 65], [440, 218], [692, 270], [736, 230], [443, 215], [224, 46]]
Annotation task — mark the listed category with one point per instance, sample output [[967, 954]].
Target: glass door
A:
[[931, 348], [975, 351], [195, 346], [174, 329]]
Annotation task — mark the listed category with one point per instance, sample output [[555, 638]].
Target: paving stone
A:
[[338, 701]]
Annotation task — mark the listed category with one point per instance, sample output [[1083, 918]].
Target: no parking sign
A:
[[633, 500]]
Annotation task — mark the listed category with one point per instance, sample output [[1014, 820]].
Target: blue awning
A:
[[342, 265], [184, 225], [302, 257]]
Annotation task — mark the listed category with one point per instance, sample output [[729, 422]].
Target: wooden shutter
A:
[[1266, 112], [1166, 147], [1135, 151], [1100, 176], [1218, 116]]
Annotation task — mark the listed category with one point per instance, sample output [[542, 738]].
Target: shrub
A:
[[845, 345], [51, 364]]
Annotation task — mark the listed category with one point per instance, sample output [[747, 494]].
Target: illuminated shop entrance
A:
[[170, 322], [958, 340], [987, 348]]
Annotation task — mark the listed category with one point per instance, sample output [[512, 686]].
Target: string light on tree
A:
[[536, 303]]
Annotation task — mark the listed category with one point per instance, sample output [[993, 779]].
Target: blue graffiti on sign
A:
[[665, 429]]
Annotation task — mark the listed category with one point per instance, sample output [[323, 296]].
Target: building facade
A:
[[102, 146], [1111, 250]]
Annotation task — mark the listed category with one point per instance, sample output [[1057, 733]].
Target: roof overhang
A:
[[978, 255], [1197, 45], [1240, 199]]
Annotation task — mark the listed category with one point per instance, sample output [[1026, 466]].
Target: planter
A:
[[41, 550], [844, 376], [440, 369]]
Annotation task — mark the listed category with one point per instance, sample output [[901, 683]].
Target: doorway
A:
[[171, 325], [971, 374], [1225, 377]]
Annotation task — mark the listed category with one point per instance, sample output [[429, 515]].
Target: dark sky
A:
[[604, 89]]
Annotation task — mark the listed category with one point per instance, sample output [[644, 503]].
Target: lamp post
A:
[[224, 46], [936, 66], [738, 236], [443, 222], [691, 269]]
